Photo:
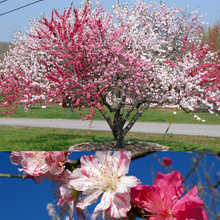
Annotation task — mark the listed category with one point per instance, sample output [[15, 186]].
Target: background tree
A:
[[4, 46], [211, 36], [149, 54]]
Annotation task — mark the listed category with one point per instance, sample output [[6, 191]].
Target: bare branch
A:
[[193, 167], [10, 175], [136, 116], [210, 187]]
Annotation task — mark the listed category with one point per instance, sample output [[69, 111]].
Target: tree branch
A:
[[193, 167], [10, 175], [210, 187], [144, 107], [107, 118], [131, 108]]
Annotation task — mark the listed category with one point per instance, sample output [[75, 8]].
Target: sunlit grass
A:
[[29, 138], [150, 115]]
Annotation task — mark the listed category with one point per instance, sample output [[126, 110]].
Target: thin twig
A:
[[210, 187], [193, 167], [10, 175]]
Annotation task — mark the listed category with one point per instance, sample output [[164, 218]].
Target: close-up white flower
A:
[[103, 175]]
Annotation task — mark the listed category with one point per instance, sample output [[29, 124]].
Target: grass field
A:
[[29, 138], [149, 115]]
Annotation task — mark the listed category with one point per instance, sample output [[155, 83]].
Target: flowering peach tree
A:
[[118, 61], [101, 178]]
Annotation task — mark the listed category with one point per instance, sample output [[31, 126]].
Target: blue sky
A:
[[18, 20], [23, 199]]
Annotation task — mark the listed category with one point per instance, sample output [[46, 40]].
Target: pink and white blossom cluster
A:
[[102, 178], [40, 164]]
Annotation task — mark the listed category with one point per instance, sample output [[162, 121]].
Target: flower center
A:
[[108, 183], [106, 177], [162, 207], [60, 163]]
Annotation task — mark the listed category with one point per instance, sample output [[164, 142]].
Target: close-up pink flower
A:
[[163, 200], [103, 175]]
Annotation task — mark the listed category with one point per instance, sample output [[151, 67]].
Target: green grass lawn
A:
[[40, 139], [28, 138], [149, 115]]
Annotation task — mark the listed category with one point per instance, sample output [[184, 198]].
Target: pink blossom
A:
[[163, 202], [68, 202], [68, 197], [55, 160], [103, 175], [166, 161], [40, 163], [16, 158]]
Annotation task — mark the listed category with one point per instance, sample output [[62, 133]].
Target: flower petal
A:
[[89, 199], [64, 210], [16, 157], [89, 161], [193, 214], [119, 205], [105, 201], [37, 179], [34, 168], [126, 182], [65, 193], [148, 197], [80, 179], [61, 178], [56, 170], [122, 160], [189, 201], [80, 214], [170, 184], [71, 208]]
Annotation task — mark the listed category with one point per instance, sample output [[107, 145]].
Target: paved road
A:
[[146, 127]]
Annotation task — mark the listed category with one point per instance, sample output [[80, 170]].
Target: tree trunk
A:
[[119, 141], [117, 124]]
